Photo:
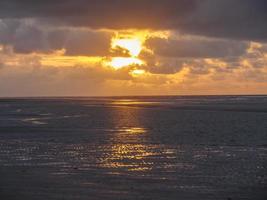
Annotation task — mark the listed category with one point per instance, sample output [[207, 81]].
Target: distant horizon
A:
[[118, 96]]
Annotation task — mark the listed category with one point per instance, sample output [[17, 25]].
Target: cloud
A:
[[99, 13], [246, 57], [209, 50], [25, 75], [197, 48], [27, 36], [238, 19], [28, 77], [87, 43], [29, 39]]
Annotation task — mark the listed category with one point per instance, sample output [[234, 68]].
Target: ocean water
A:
[[130, 148]]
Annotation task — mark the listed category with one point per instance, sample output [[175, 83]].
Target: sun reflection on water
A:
[[129, 102], [130, 155], [134, 130], [131, 150]]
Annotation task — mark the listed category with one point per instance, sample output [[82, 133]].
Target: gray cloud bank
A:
[[25, 36], [197, 48], [236, 19]]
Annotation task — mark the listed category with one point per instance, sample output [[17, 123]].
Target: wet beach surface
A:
[[207, 147]]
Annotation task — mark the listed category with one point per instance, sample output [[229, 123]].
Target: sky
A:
[[132, 47]]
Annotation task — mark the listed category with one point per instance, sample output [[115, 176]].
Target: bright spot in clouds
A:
[[119, 62], [132, 45], [137, 72]]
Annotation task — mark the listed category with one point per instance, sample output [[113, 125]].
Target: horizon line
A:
[[123, 96]]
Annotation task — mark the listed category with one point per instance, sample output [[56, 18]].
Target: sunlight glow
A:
[[69, 61], [132, 45], [119, 62], [137, 72], [129, 44]]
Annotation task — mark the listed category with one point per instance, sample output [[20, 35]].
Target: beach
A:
[[169, 147]]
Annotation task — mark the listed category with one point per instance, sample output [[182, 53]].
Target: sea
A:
[[131, 148]]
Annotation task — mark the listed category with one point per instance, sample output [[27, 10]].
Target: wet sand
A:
[[134, 148]]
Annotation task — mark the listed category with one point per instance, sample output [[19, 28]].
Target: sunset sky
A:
[[132, 47]]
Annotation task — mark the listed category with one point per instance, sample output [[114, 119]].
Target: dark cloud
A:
[[165, 66], [197, 48], [99, 13], [88, 43], [29, 39], [26, 37], [7, 30], [239, 19]]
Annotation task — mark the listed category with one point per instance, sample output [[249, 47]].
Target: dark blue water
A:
[[134, 148]]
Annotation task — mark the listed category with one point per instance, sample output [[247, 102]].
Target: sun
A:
[[127, 45], [119, 62], [130, 46]]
